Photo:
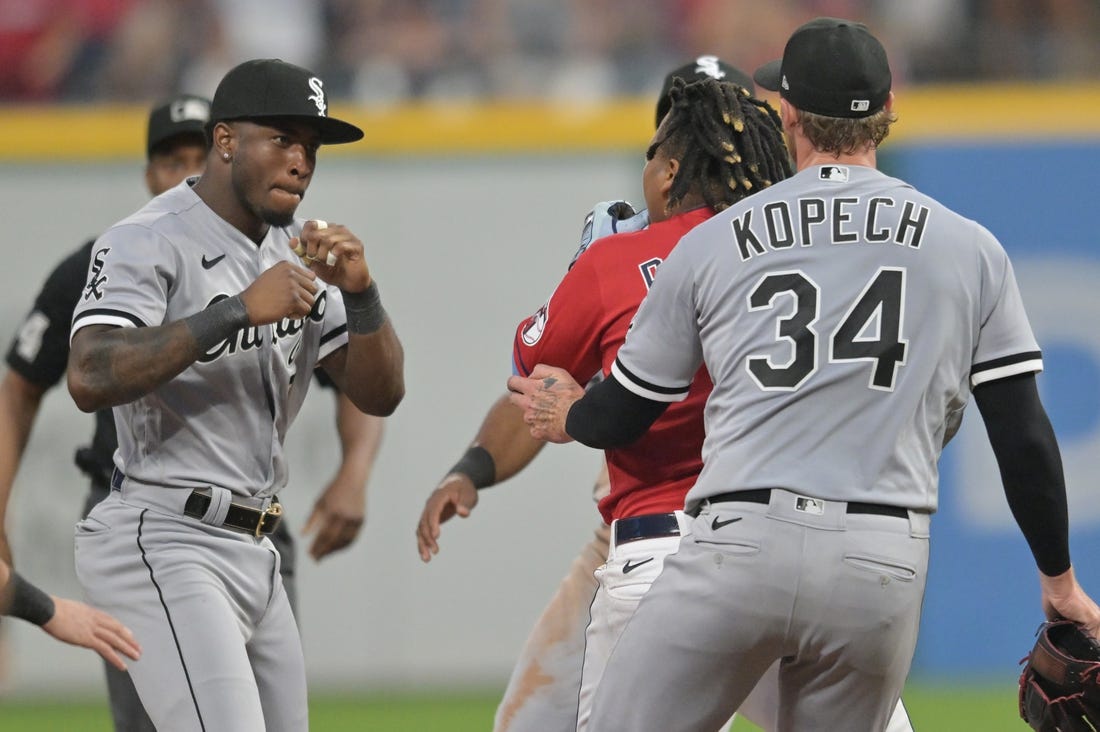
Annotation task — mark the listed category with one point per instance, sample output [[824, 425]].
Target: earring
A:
[[225, 156]]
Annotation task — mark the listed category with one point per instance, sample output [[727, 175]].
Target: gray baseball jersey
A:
[[223, 420], [220, 646], [841, 303]]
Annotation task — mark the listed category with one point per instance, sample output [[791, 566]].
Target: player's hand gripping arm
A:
[[109, 365], [557, 409], [1027, 454], [19, 403], [67, 620], [371, 370], [502, 448], [340, 510]]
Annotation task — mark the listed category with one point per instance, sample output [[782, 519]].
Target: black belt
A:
[[764, 495], [255, 521], [649, 526], [246, 519]]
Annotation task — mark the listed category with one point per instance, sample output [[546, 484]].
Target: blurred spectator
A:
[[388, 51], [150, 48], [1036, 39], [49, 49], [238, 30]]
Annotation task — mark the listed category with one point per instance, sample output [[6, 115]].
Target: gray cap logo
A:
[[182, 110]]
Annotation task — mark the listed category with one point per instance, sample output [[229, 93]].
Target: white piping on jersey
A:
[[1012, 369], [642, 391]]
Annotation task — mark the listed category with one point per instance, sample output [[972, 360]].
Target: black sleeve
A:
[[40, 350], [1031, 466], [323, 378], [609, 415]]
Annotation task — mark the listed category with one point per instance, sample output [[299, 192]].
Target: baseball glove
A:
[[607, 218], [1060, 683]]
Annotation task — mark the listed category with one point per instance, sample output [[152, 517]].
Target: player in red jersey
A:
[[688, 176], [581, 328]]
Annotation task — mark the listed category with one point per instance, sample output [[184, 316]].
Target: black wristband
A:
[[217, 322], [364, 310], [477, 465], [27, 601]]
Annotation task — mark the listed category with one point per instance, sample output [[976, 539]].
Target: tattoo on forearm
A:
[[128, 363]]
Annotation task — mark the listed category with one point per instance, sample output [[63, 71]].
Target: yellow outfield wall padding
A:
[[958, 112]]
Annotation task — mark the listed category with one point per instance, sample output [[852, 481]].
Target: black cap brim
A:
[[333, 131], [770, 75], [336, 131]]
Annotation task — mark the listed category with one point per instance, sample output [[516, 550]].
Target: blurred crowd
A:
[[388, 51]]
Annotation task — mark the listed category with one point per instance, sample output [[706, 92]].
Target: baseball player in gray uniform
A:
[[176, 149], [846, 319], [203, 317]]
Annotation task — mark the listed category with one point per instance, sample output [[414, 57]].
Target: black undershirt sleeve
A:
[[1031, 466], [609, 415]]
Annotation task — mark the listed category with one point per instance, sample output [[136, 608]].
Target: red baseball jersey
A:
[[581, 328]]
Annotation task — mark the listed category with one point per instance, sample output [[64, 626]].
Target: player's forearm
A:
[[360, 437], [1030, 463], [19, 403], [374, 371], [371, 370], [110, 366], [503, 447], [609, 416], [20, 599], [507, 439]]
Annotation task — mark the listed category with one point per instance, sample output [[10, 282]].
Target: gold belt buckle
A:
[[275, 509]]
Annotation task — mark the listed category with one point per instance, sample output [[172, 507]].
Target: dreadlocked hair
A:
[[729, 144]]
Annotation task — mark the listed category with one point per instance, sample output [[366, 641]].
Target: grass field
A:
[[932, 708]]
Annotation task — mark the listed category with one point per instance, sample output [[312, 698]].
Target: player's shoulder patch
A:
[[536, 324], [96, 278], [835, 173]]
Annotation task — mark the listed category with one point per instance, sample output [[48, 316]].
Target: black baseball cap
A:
[[181, 115], [831, 67], [271, 87], [703, 67]]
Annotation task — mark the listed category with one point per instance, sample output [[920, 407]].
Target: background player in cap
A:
[[845, 320], [176, 149], [201, 326]]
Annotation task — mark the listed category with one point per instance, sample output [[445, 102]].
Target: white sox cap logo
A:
[[318, 97], [709, 65]]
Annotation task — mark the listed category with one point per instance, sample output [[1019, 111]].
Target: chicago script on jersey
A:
[[246, 339]]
